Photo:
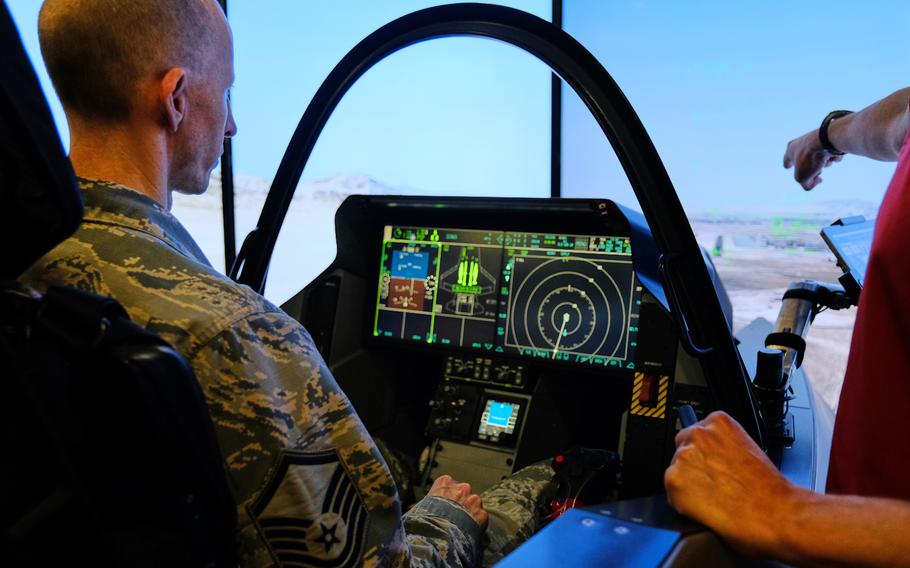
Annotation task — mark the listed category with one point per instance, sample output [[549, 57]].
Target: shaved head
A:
[[98, 51]]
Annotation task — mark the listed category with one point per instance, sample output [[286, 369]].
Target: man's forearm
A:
[[875, 132], [722, 479], [826, 530]]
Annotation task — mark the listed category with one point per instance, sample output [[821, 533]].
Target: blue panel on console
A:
[[585, 538], [410, 264], [500, 412]]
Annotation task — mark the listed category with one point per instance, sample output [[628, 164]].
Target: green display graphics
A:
[[439, 286], [468, 287], [575, 303], [561, 297]]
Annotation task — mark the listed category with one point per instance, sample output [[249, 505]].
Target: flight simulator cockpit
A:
[[478, 336]]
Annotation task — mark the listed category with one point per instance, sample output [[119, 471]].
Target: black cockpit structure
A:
[[699, 316], [475, 336]]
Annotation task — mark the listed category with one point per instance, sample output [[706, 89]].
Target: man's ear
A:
[[173, 97]]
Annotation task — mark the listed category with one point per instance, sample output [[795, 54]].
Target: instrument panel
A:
[[559, 297], [479, 335]]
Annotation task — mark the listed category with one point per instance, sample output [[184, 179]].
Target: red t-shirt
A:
[[870, 453]]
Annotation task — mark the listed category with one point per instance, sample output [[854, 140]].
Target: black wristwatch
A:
[[823, 131]]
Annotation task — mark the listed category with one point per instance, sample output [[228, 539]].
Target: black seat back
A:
[[110, 456], [41, 205]]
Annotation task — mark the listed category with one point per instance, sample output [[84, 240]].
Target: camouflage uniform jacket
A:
[[311, 486]]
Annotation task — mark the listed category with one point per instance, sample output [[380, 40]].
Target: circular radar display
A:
[[566, 318], [569, 306]]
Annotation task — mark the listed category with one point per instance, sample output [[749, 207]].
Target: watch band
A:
[[823, 131]]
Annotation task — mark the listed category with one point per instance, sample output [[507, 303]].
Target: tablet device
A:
[[850, 240]]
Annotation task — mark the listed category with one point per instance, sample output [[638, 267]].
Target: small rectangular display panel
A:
[[567, 298], [499, 420]]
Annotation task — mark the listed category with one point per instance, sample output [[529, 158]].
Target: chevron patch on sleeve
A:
[[311, 513]]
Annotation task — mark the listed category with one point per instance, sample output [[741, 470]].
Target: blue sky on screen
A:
[[452, 116], [720, 86]]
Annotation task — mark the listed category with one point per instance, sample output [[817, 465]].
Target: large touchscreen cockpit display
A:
[[561, 297]]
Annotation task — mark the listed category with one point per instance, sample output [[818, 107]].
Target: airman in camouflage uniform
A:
[[310, 483]]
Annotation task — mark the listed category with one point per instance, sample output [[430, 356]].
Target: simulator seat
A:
[[110, 456]]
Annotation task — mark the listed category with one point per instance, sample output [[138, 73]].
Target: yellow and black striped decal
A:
[[658, 409]]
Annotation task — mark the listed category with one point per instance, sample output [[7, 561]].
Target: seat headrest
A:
[[41, 202]]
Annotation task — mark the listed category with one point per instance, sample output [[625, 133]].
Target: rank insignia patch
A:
[[311, 513]]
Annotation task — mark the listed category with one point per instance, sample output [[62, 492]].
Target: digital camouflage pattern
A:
[[311, 486], [513, 505]]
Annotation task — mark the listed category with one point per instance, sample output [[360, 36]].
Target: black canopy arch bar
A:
[[695, 305], [227, 191]]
